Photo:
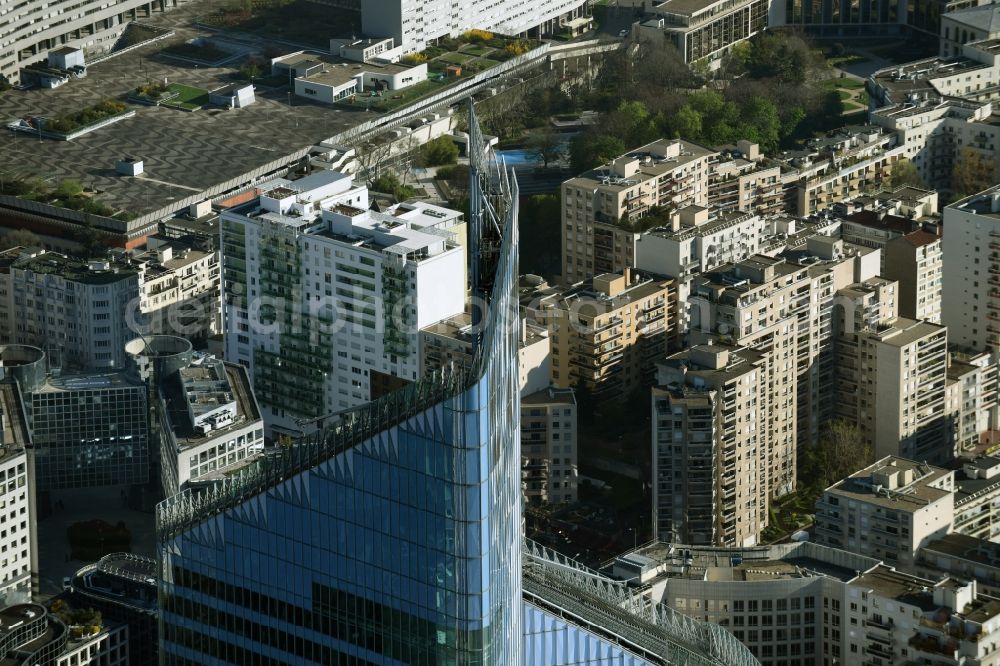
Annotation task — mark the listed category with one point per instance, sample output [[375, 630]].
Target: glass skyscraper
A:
[[391, 538], [394, 537]]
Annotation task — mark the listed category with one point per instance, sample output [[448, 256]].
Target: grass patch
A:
[[476, 50], [845, 94], [455, 58], [393, 99], [205, 54], [188, 98]]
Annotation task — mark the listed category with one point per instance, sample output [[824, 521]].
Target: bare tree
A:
[[547, 146], [371, 156], [841, 451], [973, 172]]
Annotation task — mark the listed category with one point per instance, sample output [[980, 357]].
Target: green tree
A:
[[389, 183], [687, 124], [972, 172], [841, 450], [439, 151], [905, 173], [19, 238], [547, 146], [761, 123], [588, 150], [68, 189]]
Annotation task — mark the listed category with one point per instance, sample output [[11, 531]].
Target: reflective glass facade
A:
[[392, 538], [89, 431]]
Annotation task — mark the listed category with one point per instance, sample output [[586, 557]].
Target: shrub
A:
[[441, 150], [414, 58], [477, 36]]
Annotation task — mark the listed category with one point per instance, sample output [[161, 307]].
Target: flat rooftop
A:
[[183, 154], [908, 497], [247, 410], [980, 204], [550, 396], [656, 166], [788, 560], [691, 7], [892, 584], [39, 261], [88, 382], [963, 546]]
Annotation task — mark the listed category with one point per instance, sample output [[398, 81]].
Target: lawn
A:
[[477, 50], [187, 98], [394, 99], [455, 58]]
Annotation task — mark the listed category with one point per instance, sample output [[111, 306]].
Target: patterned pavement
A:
[[182, 152]]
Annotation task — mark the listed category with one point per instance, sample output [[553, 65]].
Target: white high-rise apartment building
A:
[[30, 30], [971, 295], [416, 23], [324, 299]]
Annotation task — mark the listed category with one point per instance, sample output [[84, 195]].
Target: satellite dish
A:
[[723, 329]]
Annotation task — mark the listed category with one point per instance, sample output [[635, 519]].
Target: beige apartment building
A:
[[888, 510], [784, 306], [605, 333], [846, 163], [549, 446], [971, 399], [603, 209], [891, 381], [971, 307], [977, 498], [915, 261], [741, 182], [710, 444]]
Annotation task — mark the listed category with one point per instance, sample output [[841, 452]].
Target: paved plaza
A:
[[183, 153]]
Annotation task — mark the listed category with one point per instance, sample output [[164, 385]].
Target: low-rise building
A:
[[964, 557], [944, 111], [842, 165], [206, 417], [969, 24], [122, 586], [605, 333], [325, 79], [703, 29], [888, 510], [802, 603], [32, 634]]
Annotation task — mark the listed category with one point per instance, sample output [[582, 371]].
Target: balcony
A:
[[948, 647]]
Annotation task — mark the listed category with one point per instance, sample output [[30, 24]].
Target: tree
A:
[[904, 173], [68, 189], [19, 238], [250, 70], [547, 146], [389, 183], [590, 150], [973, 172], [439, 151], [841, 450]]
